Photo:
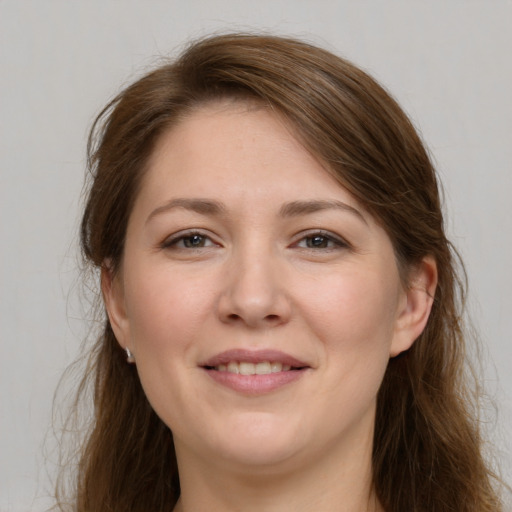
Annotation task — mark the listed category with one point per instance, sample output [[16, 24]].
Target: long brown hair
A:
[[427, 452]]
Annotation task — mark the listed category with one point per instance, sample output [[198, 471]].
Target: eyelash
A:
[[327, 237], [333, 242], [174, 240]]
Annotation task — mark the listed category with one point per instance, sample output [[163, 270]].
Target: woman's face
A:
[[260, 300]]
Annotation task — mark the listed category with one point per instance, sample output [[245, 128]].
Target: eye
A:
[[188, 240], [321, 240]]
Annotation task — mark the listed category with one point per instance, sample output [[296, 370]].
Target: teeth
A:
[[263, 368], [233, 368], [276, 367], [245, 368]]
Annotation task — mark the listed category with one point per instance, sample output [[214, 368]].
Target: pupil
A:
[[194, 241], [318, 241]]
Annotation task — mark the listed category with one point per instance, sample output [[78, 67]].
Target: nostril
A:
[[234, 317]]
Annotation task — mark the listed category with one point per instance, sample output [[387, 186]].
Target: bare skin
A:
[[240, 243]]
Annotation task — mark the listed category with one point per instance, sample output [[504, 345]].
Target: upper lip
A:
[[253, 356]]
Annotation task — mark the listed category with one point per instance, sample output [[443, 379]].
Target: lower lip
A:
[[255, 384]]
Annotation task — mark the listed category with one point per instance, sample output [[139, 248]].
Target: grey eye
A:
[[318, 242], [194, 241], [188, 240]]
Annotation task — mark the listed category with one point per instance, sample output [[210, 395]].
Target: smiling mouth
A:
[[248, 368], [254, 372]]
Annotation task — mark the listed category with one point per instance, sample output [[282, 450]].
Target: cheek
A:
[[354, 309], [354, 317], [166, 309], [167, 316]]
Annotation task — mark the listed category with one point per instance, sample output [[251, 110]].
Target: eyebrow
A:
[[291, 209], [296, 208], [201, 206]]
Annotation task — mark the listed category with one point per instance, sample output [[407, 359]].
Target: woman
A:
[[283, 306]]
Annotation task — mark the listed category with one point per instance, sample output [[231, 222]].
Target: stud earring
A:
[[130, 358]]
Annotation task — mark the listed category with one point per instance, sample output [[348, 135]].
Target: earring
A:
[[130, 358]]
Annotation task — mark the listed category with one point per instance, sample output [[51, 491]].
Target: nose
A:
[[254, 291]]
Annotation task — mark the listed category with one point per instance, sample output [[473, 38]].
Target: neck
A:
[[340, 482]]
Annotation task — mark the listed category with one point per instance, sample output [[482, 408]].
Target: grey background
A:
[[447, 61]]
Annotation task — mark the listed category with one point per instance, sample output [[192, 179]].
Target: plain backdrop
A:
[[447, 61]]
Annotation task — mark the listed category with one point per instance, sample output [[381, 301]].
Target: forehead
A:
[[219, 129], [244, 146]]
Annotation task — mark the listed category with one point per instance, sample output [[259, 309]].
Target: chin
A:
[[254, 456], [259, 441]]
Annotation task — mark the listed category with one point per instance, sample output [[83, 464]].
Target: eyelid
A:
[[338, 240], [175, 238]]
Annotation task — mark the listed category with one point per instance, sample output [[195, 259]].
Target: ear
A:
[[113, 297], [415, 306]]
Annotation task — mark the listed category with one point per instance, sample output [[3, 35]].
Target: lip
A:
[[253, 356], [254, 384]]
